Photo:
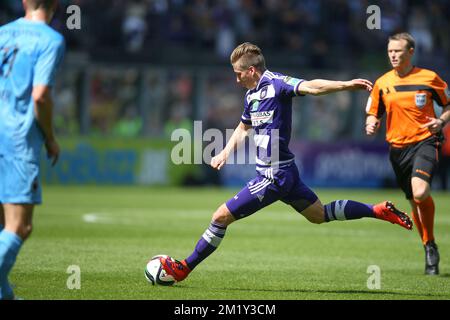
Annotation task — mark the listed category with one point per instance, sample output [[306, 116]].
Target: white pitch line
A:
[[97, 218]]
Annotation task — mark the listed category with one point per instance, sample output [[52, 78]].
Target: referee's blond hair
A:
[[411, 43]]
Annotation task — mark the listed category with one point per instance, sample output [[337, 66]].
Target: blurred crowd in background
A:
[[150, 66], [312, 29], [304, 32]]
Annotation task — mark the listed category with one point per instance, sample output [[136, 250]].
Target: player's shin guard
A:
[[347, 210], [207, 244], [10, 245]]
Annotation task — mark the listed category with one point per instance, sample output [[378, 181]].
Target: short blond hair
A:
[[411, 43], [248, 55]]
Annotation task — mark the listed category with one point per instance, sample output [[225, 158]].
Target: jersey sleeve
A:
[[441, 93], [375, 105], [288, 86], [246, 118], [48, 62]]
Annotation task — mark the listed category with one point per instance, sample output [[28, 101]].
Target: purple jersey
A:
[[268, 108]]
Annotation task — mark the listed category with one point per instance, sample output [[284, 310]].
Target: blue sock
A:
[[347, 210], [209, 242], [10, 245]]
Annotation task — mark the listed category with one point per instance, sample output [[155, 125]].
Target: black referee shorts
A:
[[416, 160]]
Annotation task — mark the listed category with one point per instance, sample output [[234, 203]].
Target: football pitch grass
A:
[[109, 233]]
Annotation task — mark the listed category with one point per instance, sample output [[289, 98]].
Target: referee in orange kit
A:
[[407, 95]]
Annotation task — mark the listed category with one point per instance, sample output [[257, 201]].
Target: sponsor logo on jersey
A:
[[421, 100], [259, 118], [255, 105]]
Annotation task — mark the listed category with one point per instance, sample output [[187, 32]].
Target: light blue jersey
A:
[[30, 53]]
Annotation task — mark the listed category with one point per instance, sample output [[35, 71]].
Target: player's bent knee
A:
[[315, 214], [223, 216], [420, 189], [420, 193], [420, 196], [25, 231], [316, 219]]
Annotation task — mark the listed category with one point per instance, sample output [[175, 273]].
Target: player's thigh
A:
[[426, 159], [257, 194], [402, 163], [425, 164], [304, 201]]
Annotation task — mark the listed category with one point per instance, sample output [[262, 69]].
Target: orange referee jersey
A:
[[407, 102]]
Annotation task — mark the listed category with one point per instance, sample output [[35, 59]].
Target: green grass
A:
[[274, 254]]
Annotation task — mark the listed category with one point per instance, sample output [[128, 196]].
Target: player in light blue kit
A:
[[30, 52], [268, 111]]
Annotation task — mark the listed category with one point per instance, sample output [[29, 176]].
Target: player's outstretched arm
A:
[[236, 139], [319, 87], [43, 110]]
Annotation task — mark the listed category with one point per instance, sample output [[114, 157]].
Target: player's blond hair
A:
[[411, 43], [40, 4], [248, 55]]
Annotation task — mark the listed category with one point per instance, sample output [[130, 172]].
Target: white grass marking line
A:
[[138, 215], [97, 218]]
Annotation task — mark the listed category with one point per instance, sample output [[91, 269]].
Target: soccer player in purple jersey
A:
[[268, 110]]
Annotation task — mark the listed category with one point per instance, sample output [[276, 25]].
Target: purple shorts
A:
[[269, 186]]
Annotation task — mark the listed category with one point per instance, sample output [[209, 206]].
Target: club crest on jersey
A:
[[259, 118], [263, 93], [421, 100]]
